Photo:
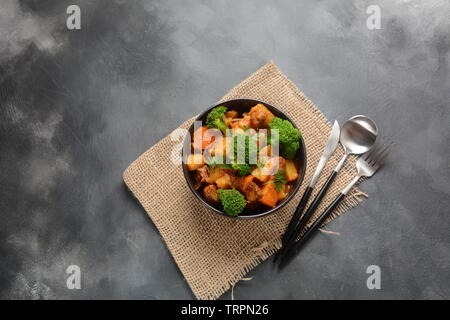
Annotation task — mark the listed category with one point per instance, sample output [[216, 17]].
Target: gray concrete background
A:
[[77, 107]]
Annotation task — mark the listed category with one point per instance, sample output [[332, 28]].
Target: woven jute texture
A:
[[215, 252]]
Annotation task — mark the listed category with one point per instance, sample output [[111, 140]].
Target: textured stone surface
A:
[[77, 107]]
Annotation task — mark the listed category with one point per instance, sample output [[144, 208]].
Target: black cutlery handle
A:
[[312, 208], [295, 247], [297, 214]]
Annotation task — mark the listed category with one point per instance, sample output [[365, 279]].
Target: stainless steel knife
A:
[[333, 141]]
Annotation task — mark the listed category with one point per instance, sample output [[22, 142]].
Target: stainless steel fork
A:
[[366, 166]]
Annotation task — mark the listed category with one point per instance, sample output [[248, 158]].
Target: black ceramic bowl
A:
[[244, 105]]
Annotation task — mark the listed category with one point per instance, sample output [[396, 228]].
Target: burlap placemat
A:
[[215, 252]]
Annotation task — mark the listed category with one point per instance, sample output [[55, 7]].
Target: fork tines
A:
[[378, 153]]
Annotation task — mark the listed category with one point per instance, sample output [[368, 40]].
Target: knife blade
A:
[[332, 143]]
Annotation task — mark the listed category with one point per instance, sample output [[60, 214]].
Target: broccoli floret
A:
[[289, 137], [243, 169], [250, 148], [245, 155], [290, 150], [216, 119], [233, 201]]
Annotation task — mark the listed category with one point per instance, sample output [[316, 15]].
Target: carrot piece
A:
[[202, 139], [269, 195]]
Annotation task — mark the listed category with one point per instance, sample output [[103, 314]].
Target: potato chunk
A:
[[194, 161], [258, 175], [283, 192], [291, 171], [216, 173], [224, 182]]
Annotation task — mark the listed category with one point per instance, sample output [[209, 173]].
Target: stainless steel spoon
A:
[[357, 136]]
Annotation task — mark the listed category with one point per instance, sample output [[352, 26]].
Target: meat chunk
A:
[[252, 192], [236, 182], [246, 181], [231, 114], [210, 193], [202, 176], [260, 116]]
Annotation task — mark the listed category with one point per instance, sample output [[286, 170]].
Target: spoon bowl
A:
[[358, 135]]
